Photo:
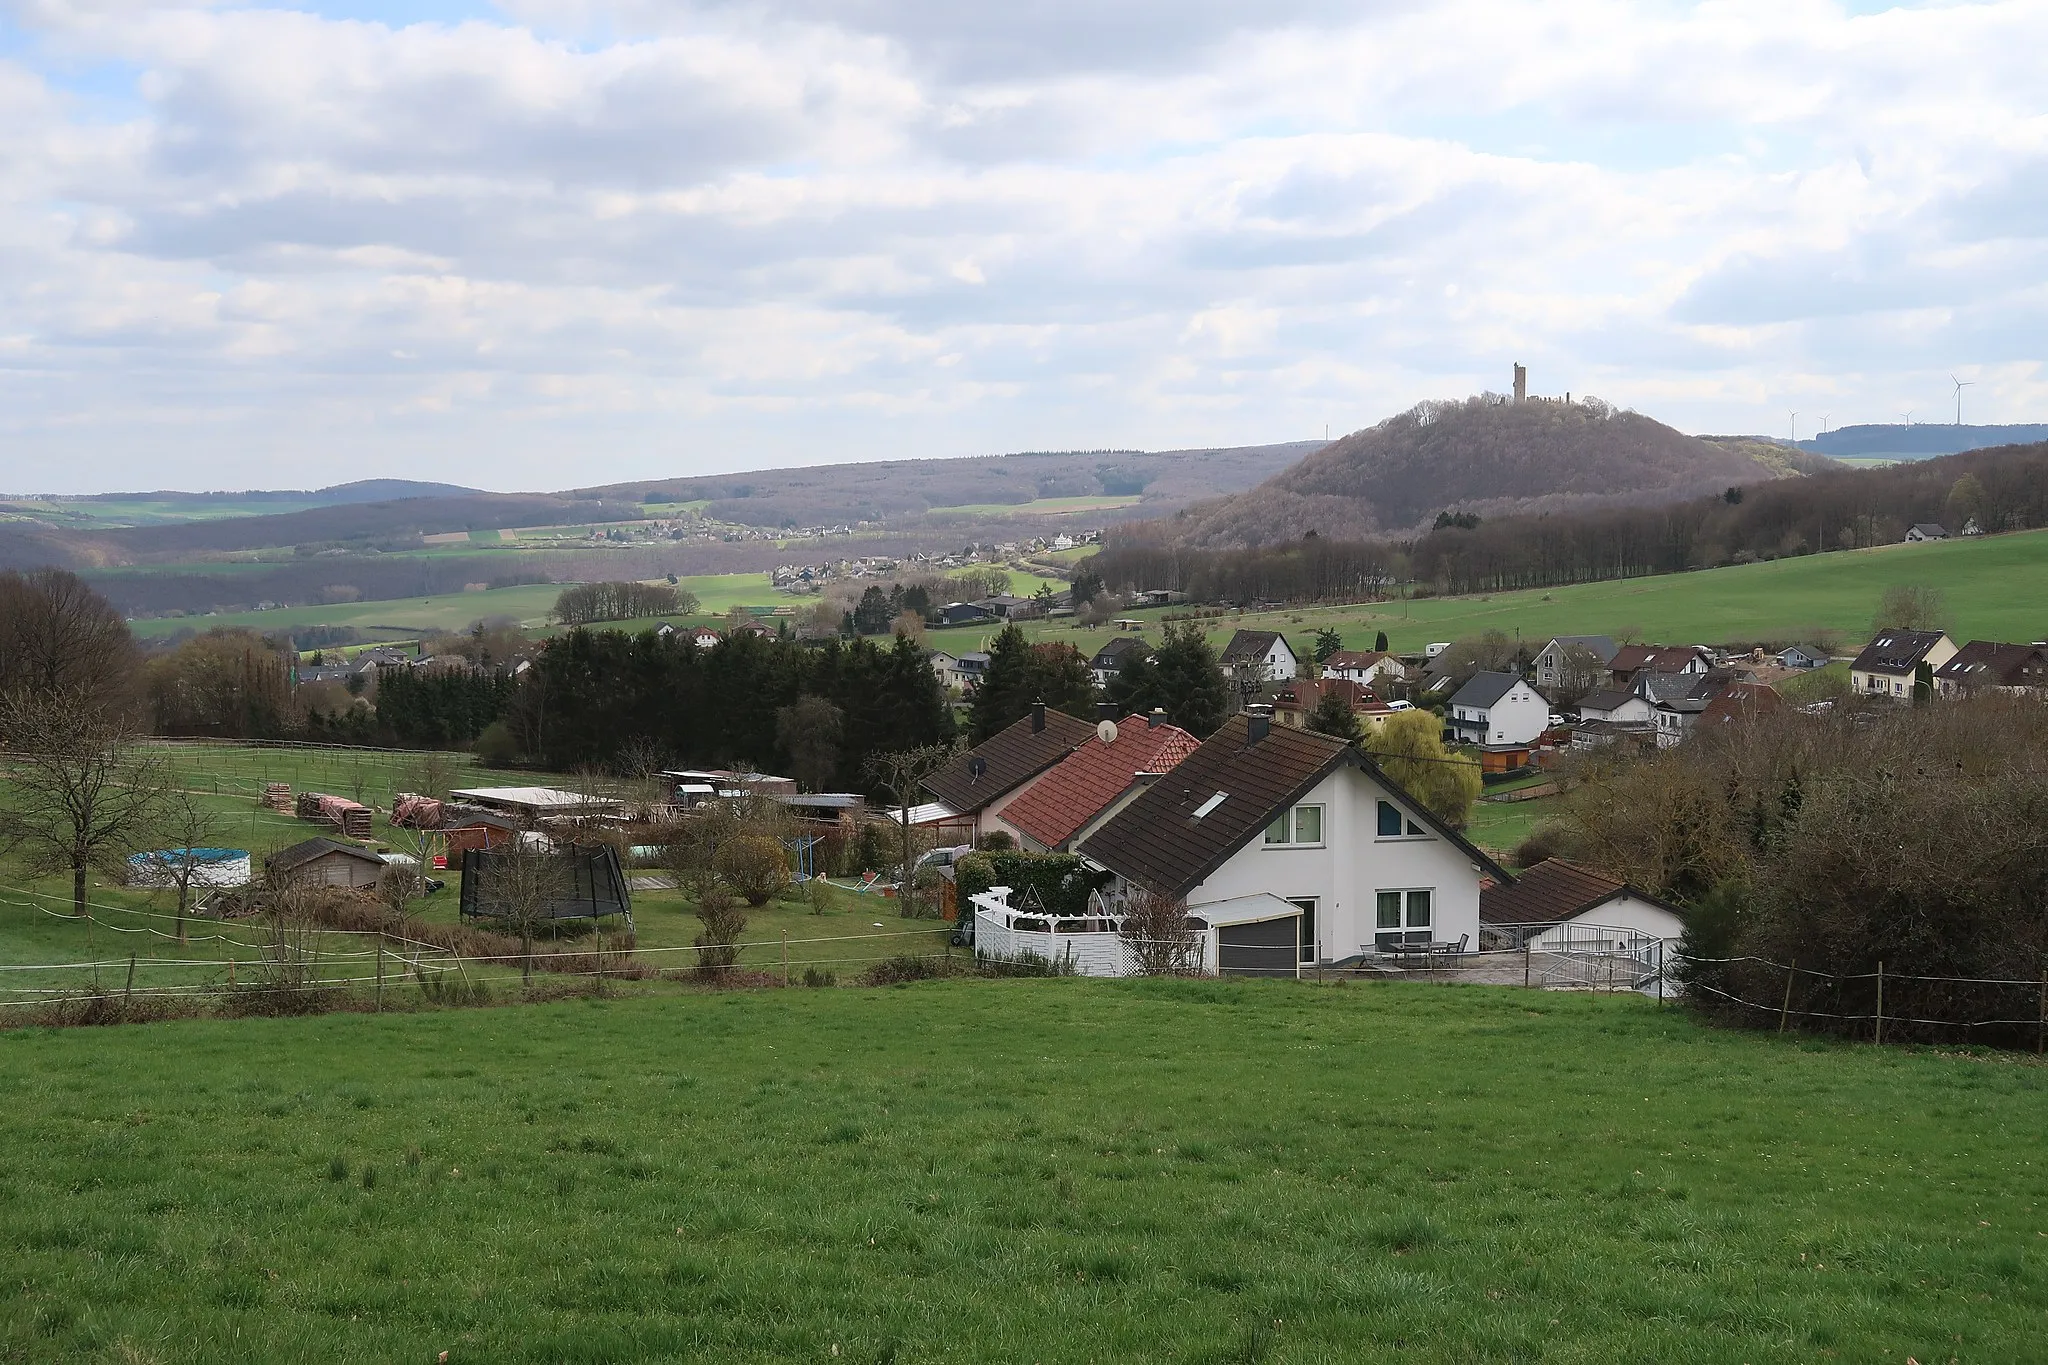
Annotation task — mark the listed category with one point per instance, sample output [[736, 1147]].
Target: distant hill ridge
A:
[[1919, 440], [1487, 455]]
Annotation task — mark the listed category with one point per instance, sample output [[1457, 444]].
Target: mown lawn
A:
[[1016, 1170]]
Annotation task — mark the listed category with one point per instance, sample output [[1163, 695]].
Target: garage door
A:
[[1267, 947]]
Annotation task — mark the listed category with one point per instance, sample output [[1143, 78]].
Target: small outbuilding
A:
[[325, 862], [1558, 904]]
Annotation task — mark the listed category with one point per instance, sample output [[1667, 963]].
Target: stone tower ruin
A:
[[1521, 383]]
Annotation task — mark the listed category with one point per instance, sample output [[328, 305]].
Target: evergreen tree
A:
[[874, 613], [1087, 587], [1333, 716], [1379, 642], [1020, 673], [1181, 678], [1328, 642]]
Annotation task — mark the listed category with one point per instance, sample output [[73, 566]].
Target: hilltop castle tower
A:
[[1521, 383]]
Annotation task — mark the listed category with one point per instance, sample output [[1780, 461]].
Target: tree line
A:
[[621, 600], [2004, 489]]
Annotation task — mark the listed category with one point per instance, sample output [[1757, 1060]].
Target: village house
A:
[[1309, 849], [1295, 704], [1110, 659], [1631, 661], [1924, 531], [1367, 667], [1498, 708], [1890, 663], [1987, 666], [1565, 656], [1804, 656], [1260, 656], [974, 789], [1557, 905], [1096, 780]]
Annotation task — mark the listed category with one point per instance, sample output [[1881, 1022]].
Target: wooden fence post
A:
[[129, 989], [1785, 1010], [380, 974], [1878, 1037], [2041, 1028], [785, 957]]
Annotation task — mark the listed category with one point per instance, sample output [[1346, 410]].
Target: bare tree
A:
[[183, 825], [83, 796], [1910, 606], [902, 773], [59, 636], [521, 884], [1161, 939]]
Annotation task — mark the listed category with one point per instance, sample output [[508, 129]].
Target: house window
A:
[[1297, 828], [1391, 822], [1405, 916]]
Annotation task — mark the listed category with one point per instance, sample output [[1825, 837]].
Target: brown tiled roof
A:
[[1655, 658], [1742, 701], [1249, 646], [1987, 663], [306, 850], [1082, 784], [1010, 758], [1158, 842], [1551, 892], [1357, 658]]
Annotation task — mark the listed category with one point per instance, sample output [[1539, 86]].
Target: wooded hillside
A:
[[1484, 456]]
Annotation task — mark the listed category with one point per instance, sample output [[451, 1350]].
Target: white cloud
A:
[[597, 241]]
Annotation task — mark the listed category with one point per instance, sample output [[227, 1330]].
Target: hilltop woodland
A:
[[2004, 489]]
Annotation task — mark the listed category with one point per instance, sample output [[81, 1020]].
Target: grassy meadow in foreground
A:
[[1016, 1170]]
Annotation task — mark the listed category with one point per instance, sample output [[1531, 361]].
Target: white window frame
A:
[[1293, 819], [1413, 830]]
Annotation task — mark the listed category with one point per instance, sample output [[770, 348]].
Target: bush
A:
[[995, 841], [816, 977], [1060, 880], [904, 967], [718, 945], [753, 865], [1542, 843], [495, 747]]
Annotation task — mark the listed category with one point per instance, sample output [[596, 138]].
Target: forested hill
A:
[[1485, 456]]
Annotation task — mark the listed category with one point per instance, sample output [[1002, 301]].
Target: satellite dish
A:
[[1105, 730], [976, 766]]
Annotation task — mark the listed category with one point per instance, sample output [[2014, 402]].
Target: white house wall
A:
[[1623, 912], [1353, 864]]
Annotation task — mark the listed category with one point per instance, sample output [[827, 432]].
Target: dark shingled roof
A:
[[1605, 699], [1552, 892], [1987, 663], [1157, 841], [1485, 689], [1896, 651], [1249, 646], [305, 851], [1013, 757]]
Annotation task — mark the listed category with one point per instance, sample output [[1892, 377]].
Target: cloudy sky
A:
[[559, 242]]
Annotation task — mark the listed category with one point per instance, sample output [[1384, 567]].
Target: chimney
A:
[[1521, 383], [1156, 719], [1037, 717], [1105, 710], [1258, 723]]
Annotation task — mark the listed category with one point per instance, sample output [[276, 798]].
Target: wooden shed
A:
[[326, 862]]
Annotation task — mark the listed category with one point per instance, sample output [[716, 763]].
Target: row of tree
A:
[[1997, 490], [621, 600]]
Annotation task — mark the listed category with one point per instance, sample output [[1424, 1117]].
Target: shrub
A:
[[995, 841], [1060, 880], [753, 865], [905, 967], [1542, 843], [724, 922], [817, 977]]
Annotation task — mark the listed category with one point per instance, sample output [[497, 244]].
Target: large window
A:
[[1301, 827], [1405, 916]]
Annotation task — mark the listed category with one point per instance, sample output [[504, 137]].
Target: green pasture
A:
[[1996, 589], [1041, 1170], [409, 618]]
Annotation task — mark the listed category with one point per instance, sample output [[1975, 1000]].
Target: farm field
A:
[[407, 618], [1040, 506], [1996, 589], [1016, 1170]]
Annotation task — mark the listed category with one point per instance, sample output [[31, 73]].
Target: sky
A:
[[556, 243]]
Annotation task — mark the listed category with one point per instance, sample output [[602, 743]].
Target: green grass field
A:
[[1016, 1171], [408, 618], [1996, 589]]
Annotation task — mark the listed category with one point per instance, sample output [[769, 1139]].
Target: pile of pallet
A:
[[350, 819], [277, 796]]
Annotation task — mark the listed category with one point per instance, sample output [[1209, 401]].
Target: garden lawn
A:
[[1016, 1170]]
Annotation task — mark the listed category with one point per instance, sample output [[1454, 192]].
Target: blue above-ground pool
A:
[[210, 867]]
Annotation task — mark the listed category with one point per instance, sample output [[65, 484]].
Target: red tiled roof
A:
[[1008, 759], [1083, 783]]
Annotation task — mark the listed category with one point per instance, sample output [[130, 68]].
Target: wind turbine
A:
[[1795, 428], [1824, 422], [1907, 415], [1960, 384]]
